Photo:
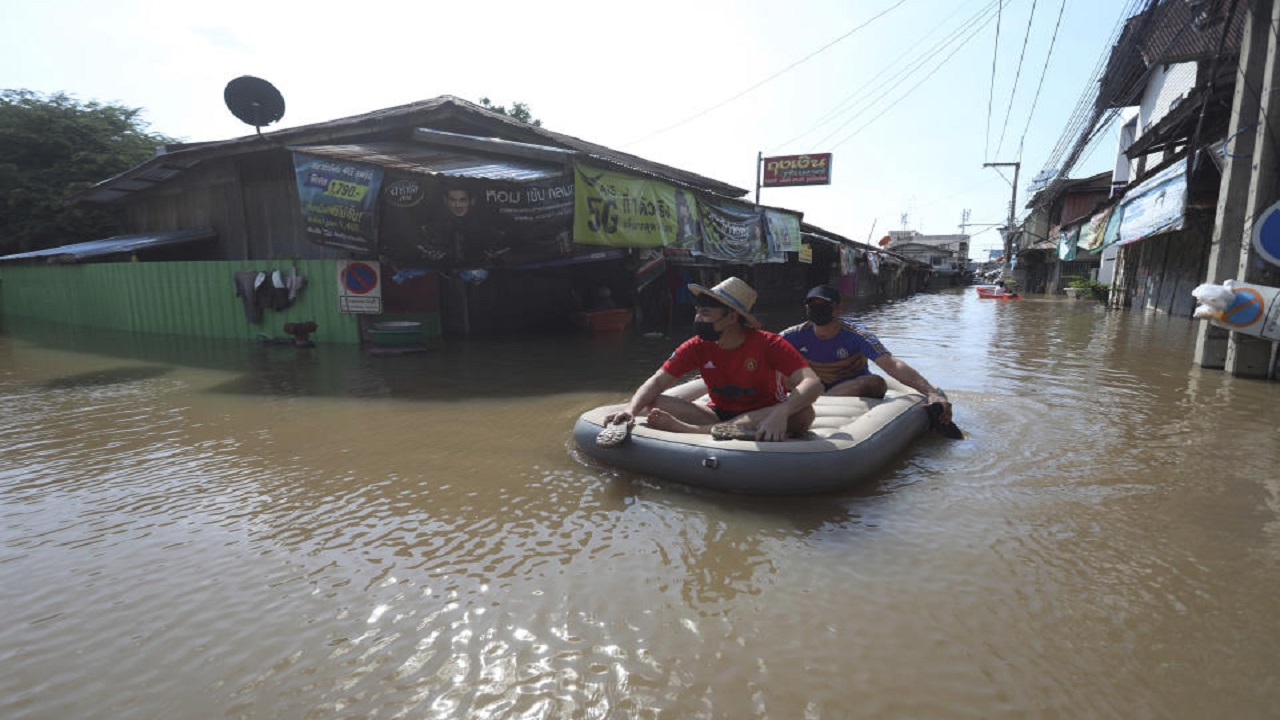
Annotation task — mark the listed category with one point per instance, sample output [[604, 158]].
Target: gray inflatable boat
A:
[[850, 440]]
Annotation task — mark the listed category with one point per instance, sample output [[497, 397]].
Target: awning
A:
[[428, 160], [116, 245]]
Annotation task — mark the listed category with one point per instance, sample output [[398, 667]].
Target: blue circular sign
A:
[[1266, 235]]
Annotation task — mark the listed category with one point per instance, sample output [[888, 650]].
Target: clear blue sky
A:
[[621, 74]]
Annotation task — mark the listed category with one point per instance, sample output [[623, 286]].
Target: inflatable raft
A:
[[850, 440]]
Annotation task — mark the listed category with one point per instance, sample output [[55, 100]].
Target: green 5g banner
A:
[[622, 210]]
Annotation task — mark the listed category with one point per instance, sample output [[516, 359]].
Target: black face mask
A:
[[819, 314], [707, 331]]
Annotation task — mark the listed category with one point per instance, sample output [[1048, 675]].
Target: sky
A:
[[703, 85]]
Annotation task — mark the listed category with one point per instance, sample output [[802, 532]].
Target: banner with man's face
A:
[[434, 221]]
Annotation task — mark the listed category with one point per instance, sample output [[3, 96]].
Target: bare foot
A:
[[663, 420]]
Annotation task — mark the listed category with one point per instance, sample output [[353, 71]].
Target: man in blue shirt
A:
[[839, 351]]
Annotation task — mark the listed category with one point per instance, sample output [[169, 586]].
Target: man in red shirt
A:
[[760, 387]]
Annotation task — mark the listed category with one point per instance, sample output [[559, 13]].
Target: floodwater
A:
[[209, 530]]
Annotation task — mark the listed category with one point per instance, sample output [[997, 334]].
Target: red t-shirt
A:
[[744, 378]]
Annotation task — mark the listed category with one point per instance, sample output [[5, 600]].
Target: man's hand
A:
[[773, 428], [937, 398]]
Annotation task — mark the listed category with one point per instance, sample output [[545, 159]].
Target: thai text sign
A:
[[338, 201], [621, 210], [784, 170]]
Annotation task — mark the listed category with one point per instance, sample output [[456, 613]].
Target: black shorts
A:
[[724, 415]]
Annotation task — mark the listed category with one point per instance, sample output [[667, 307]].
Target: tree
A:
[[52, 148], [519, 111]]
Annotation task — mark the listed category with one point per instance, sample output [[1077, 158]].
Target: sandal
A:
[[613, 435], [732, 431]]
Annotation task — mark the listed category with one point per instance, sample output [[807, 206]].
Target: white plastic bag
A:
[[1214, 300]]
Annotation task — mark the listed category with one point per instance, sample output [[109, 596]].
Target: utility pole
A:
[[1232, 220], [1013, 203]]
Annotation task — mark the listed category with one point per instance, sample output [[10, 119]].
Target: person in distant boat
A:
[[760, 388], [839, 350]]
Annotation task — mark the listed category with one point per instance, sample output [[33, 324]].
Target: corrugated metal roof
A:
[[116, 245], [1171, 32], [445, 110], [426, 160]]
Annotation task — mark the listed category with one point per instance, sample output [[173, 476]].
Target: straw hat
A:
[[733, 294]]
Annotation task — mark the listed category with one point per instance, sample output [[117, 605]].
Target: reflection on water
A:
[[271, 532]]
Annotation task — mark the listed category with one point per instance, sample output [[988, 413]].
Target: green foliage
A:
[[519, 111], [1098, 290], [53, 147]]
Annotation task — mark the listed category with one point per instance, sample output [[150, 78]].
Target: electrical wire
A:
[[991, 94], [1043, 71], [772, 77], [1017, 76], [1084, 109], [910, 60], [891, 82], [906, 94], [1213, 80]]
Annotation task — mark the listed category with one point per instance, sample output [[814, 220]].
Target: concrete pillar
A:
[[1229, 222], [1248, 356]]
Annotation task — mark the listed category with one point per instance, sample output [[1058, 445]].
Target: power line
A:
[[772, 77], [916, 58], [913, 87], [1043, 71], [1084, 109], [1017, 76], [986, 148], [892, 82]]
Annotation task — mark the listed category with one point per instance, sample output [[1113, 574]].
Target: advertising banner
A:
[[733, 232], [783, 231], [1067, 243], [806, 253], [788, 170], [338, 201], [445, 222], [1093, 232], [1154, 206], [623, 210]]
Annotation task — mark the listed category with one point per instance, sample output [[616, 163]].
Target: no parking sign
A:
[[1254, 310], [359, 286]]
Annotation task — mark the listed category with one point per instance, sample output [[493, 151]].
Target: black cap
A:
[[824, 292]]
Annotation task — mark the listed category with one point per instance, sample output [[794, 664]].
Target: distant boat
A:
[[995, 292]]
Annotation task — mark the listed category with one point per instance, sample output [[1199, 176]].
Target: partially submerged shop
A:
[[516, 244], [439, 215], [1150, 245]]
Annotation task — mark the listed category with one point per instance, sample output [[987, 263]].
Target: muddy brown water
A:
[[193, 529]]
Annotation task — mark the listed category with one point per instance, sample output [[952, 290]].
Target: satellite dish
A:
[[254, 101]]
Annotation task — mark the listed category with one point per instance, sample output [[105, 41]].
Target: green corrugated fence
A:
[[178, 298]]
